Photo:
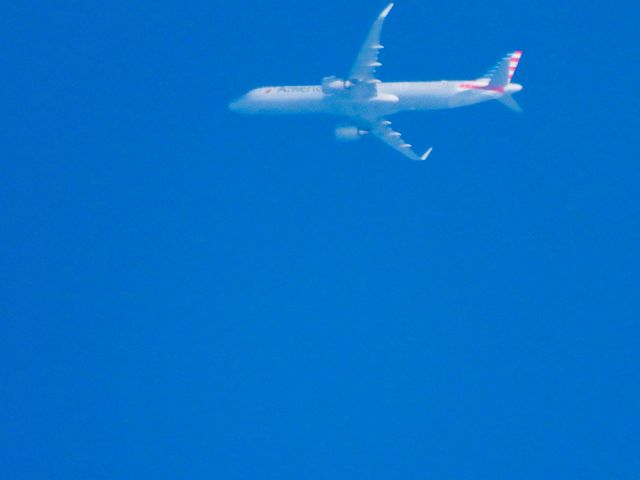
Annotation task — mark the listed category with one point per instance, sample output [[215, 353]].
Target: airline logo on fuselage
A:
[[304, 89]]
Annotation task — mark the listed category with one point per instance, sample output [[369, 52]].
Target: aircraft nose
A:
[[240, 105], [236, 105]]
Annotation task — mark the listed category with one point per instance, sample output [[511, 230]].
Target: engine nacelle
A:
[[348, 133], [335, 85]]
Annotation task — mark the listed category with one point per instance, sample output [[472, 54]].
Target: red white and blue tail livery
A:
[[500, 76], [366, 101]]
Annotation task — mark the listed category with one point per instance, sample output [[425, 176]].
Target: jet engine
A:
[[348, 133], [333, 85]]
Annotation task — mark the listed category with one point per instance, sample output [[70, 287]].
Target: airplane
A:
[[366, 101]]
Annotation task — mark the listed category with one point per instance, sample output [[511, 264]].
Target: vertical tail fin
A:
[[500, 76]]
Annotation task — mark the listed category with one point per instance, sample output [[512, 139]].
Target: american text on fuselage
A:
[[366, 101]]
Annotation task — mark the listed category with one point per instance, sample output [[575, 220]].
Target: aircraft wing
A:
[[364, 69], [382, 130]]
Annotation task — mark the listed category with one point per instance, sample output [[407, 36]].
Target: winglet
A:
[[426, 154], [386, 11]]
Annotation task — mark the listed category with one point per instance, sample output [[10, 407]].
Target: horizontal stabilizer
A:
[[509, 102]]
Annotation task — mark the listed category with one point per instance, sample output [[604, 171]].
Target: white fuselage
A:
[[392, 97]]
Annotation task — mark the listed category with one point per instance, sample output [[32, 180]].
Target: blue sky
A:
[[189, 293]]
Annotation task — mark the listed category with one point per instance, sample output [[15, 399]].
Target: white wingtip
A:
[[426, 154], [386, 11]]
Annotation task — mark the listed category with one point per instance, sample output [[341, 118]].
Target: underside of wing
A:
[[364, 68], [382, 130]]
